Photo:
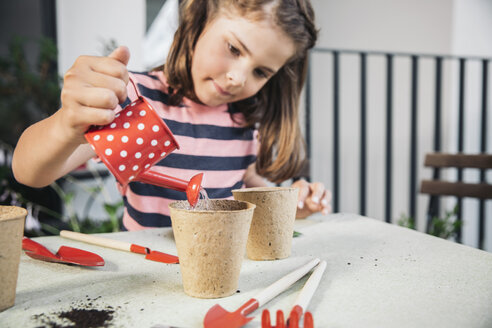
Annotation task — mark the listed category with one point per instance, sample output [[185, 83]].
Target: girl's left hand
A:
[[313, 198]]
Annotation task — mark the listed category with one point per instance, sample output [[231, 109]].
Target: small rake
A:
[[218, 317], [301, 304], [293, 321]]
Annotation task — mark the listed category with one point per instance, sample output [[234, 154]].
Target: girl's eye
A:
[[235, 51], [260, 73]]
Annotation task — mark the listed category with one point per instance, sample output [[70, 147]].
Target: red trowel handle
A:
[[192, 187]]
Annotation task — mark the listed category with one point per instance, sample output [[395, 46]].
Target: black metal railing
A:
[[437, 142]]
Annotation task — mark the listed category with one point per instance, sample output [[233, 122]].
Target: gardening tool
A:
[[301, 304], [218, 317], [65, 254], [121, 245], [136, 140], [294, 320]]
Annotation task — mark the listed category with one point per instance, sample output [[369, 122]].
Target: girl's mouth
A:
[[220, 90]]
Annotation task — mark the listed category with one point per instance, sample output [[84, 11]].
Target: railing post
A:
[[434, 202], [363, 134], [483, 150], [413, 141], [389, 135], [461, 124], [336, 133], [307, 116]]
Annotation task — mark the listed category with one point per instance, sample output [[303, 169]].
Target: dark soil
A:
[[86, 314]]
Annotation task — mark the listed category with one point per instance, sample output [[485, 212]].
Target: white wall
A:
[[388, 25], [83, 27], [420, 26]]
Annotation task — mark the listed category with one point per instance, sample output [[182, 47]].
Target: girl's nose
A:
[[236, 79]]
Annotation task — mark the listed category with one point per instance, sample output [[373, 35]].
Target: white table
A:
[[378, 275]]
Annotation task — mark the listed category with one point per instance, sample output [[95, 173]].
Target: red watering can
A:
[[136, 140]]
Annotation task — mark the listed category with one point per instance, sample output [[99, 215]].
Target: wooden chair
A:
[[437, 187], [459, 189]]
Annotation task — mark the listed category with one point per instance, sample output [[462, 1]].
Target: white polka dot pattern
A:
[[138, 135]]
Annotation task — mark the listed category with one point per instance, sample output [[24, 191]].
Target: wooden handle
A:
[[285, 282], [310, 287], [95, 240]]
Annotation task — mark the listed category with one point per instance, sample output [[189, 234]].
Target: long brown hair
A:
[[276, 106]]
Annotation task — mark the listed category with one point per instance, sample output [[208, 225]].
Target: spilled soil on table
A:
[[89, 313]]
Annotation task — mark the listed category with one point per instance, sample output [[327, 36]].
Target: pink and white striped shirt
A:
[[210, 142]]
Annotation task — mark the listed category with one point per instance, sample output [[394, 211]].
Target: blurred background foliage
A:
[[28, 94]]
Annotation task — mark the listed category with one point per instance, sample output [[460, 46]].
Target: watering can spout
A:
[[192, 187]]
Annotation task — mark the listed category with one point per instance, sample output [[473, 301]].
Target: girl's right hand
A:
[[93, 87]]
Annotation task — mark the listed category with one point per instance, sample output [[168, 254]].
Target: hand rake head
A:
[[292, 322]]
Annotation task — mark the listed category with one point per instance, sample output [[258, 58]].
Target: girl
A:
[[229, 92]]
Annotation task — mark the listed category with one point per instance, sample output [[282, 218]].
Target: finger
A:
[[109, 66], [326, 199], [317, 189], [95, 116], [118, 86], [121, 54], [312, 206], [326, 210], [98, 98], [325, 202], [303, 194]]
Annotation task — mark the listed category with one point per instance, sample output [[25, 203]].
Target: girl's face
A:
[[234, 57]]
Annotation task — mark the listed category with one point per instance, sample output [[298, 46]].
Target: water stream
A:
[[203, 203]]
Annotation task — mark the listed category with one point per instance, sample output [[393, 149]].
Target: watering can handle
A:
[[135, 87]]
